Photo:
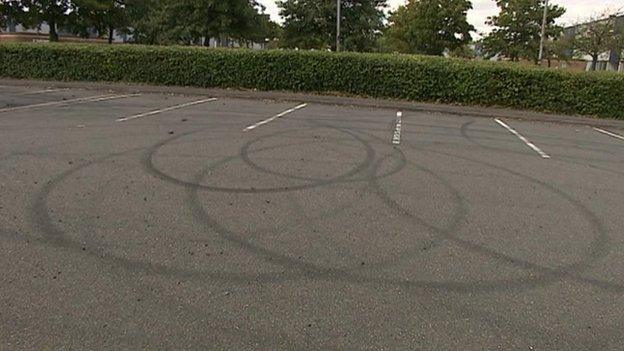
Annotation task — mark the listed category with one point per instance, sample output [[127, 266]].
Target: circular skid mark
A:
[[201, 215], [548, 275], [597, 249], [371, 155], [148, 164]]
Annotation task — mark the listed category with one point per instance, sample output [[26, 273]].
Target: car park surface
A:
[[144, 220]]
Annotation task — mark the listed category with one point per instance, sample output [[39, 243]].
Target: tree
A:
[[53, 12], [466, 51], [600, 34], [263, 29], [10, 13], [561, 49], [429, 27], [311, 24], [189, 21], [517, 29], [104, 16]]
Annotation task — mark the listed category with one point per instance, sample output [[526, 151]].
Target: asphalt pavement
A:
[[142, 220]]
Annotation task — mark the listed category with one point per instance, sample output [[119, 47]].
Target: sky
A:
[[576, 10]]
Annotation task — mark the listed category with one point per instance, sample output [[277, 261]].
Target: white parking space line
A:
[[155, 112], [68, 102], [617, 136], [114, 97], [525, 140], [41, 91], [396, 138], [279, 115]]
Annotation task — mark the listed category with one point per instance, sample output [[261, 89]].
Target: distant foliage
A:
[[54, 12], [191, 21], [311, 24], [416, 78], [147, 21], [103, 16], [517, 29], [429, 27], [599, 34]]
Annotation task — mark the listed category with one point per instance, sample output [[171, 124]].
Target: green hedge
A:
[[415, 78]]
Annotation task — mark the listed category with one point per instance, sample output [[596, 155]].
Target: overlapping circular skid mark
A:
[[34, 151], [56, 236], [328, 213], [465, 127], [548, 275], [597, 249], [458, 216], [134, 265], [279, 258], [244, 156], [373, 176], [270, 255], [148, 165], [313, 222], [201, 215]]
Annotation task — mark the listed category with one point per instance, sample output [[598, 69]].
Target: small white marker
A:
[[151, 113], [609, 133], [279, 115], [525, 140], [396, 138]]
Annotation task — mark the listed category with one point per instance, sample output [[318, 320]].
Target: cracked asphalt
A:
[[162, 221]]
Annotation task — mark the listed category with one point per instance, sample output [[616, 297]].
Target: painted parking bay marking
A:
[[521, 137], [171, 108], [69, 102], [279, 115], [37, 92], [617, 136]]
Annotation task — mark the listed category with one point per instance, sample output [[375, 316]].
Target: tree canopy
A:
[[311, 24], [149, 21], [53, 12], [598, 35], [190, 21], [517, 29], [102, 16], [429, 27]]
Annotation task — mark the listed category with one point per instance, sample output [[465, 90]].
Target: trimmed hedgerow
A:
[[416, 78]]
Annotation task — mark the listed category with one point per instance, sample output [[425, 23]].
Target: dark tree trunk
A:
[[594, 63], [53, 33], [111, 34]]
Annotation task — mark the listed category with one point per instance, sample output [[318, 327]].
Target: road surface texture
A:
[[160, 221]]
